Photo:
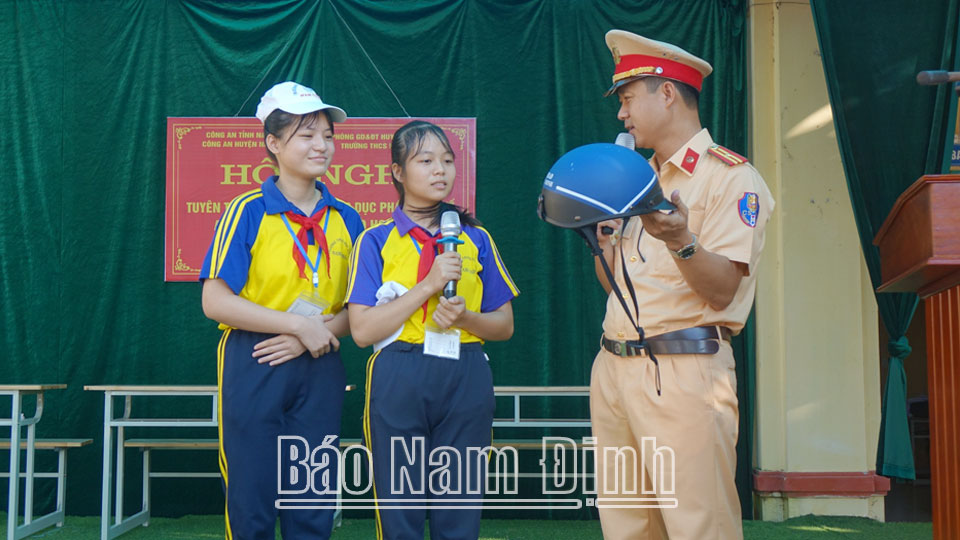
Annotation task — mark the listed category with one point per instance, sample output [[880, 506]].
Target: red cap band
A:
[[631, 65]]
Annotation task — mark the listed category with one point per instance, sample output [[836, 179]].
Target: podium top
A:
[[919, 242], [910, 193]]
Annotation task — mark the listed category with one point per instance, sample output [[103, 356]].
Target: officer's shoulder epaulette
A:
[[726, 155]]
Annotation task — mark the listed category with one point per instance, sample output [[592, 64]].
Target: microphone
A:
[[930, 78], [449, 238], [626, 140]]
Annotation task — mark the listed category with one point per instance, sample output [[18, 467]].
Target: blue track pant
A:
[[259, 404], [415, 404]]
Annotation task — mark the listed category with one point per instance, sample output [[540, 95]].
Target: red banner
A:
[[212, 160]]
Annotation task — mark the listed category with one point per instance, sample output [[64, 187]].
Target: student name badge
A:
[[440, 342], [308, 304]]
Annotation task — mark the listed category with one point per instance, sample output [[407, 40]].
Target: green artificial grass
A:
[[803, 528]]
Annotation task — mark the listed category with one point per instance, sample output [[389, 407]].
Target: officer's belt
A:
[[698, 340]]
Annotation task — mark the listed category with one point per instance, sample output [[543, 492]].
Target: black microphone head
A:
[[449, 224], [930, 78]]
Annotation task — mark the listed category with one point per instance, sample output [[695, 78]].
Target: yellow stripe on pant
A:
[[222, 456], [368, 439]]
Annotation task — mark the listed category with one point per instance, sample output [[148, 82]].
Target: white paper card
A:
[[308, 305], [442, 343]]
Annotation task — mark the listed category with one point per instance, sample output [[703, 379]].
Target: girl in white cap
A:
[[275, 278]]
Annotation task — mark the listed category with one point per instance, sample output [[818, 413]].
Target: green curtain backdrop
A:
[[890, 132], [87, 86]]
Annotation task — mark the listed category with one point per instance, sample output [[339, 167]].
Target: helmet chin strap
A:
[[589, 234]]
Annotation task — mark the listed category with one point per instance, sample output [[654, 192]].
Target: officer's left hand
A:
[[449, 311], [670, 228]]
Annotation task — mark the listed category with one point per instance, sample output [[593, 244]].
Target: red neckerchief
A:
[[428, 251], [306, 224]]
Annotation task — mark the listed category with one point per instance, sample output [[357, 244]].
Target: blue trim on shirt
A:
[[276, 203]]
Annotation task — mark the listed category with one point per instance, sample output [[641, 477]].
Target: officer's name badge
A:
[[749, 207]]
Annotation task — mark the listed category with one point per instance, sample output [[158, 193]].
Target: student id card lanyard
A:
[[309, 304]]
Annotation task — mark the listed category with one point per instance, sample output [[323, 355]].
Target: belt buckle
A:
[[620, 349]]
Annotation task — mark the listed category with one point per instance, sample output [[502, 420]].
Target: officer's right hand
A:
[[603, 238], [316, 337], [446, 267]]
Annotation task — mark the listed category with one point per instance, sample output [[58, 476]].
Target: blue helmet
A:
[[597, 182]]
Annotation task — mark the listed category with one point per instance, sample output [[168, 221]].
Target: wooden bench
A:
[[113, 523], [60, 446], [147, 446], [213, 444], [49, 444], [516, 420]]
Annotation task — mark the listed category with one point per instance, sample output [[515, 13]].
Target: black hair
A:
[[689, 94], [407, 142], [278, 122]]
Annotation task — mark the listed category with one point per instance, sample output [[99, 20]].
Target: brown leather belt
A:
[[698, 340]]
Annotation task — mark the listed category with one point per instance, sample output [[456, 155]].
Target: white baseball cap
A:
[[295, 99]]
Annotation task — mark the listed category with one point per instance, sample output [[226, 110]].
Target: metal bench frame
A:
[[31, 524], [113, 478], [111, 497], [16, 422]]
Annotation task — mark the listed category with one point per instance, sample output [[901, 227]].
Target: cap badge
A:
[[616, 54]]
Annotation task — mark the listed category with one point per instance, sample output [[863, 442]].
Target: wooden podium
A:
[[920, 252]]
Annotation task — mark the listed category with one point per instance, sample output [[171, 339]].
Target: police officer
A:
[[693, 276]]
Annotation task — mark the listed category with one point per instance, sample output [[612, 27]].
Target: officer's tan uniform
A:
[[696, 415]]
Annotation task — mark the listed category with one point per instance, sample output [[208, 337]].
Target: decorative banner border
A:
[[212, 160]]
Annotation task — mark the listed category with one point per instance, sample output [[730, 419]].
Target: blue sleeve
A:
[[228, 257], [498, 286], [351, 219], [366, 269]]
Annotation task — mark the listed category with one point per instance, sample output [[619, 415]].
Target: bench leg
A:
[[61, 482], [145, 507], [119, 477], [13, 512], [28, 491]]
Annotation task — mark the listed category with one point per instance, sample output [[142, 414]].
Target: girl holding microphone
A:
[[429, 384]]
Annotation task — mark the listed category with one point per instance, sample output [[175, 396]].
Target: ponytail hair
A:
[[407, 141]]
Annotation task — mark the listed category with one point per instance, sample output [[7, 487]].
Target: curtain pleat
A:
[[890, 132]]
